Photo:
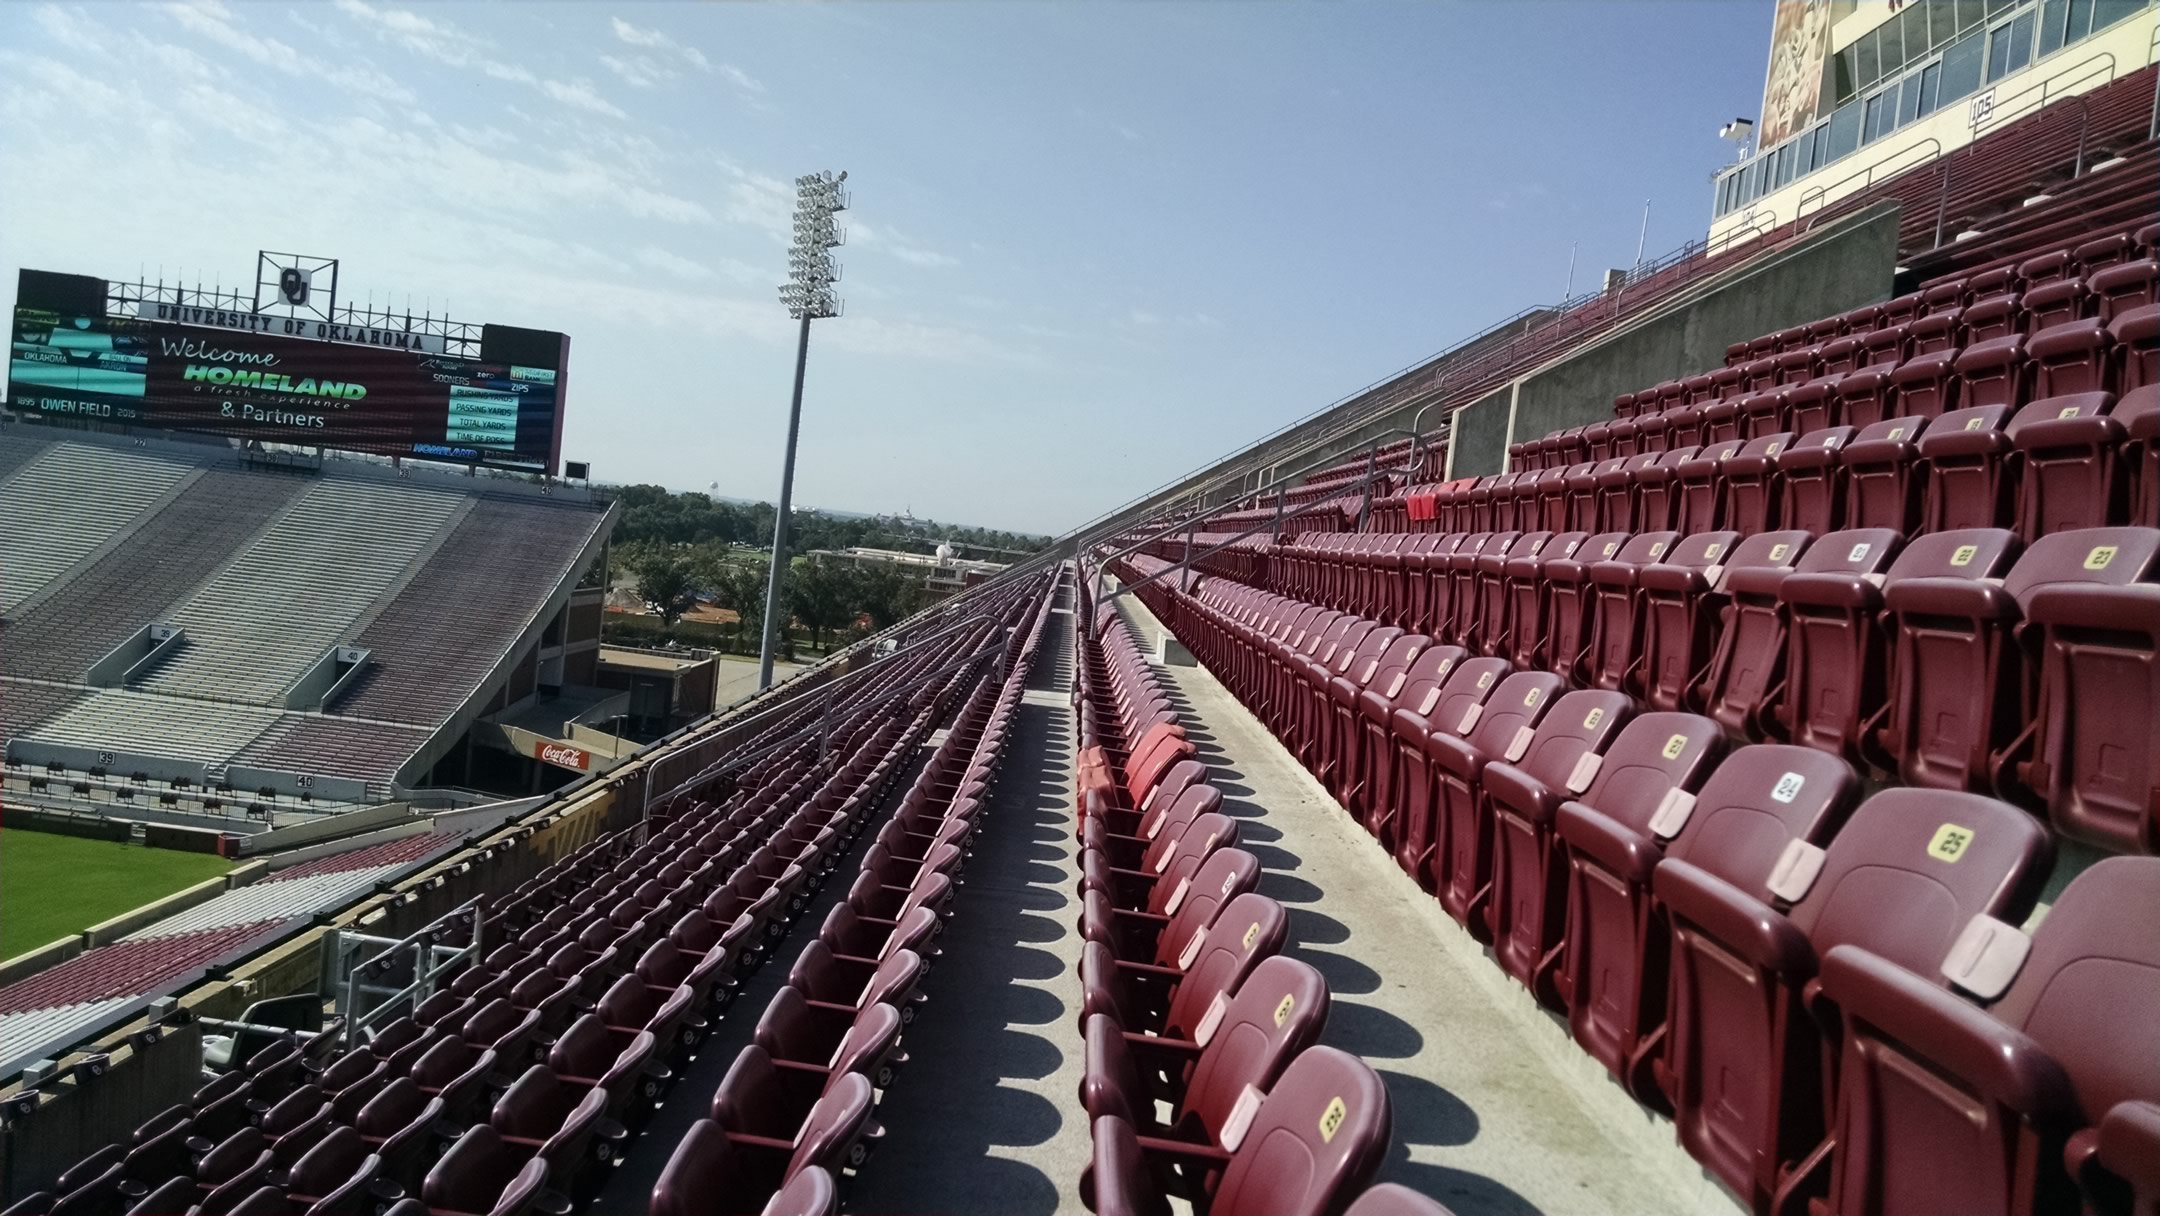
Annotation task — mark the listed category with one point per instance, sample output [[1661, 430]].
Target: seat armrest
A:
[[1962, 1039], [1627, 854], [1743, 924]]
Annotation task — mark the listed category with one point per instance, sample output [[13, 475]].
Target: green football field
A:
[[52, 886]]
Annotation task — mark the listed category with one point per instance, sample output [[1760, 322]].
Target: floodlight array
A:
[[811, 268]]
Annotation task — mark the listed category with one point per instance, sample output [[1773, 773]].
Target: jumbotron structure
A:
[[1688, 749]]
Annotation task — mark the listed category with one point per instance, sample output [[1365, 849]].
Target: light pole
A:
[[808, 295]]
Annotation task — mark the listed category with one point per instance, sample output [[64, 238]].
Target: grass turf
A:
[[52, 886]]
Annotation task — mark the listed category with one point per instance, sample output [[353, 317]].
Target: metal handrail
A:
[[1818, 193], [1372, 448], [2001, 112]]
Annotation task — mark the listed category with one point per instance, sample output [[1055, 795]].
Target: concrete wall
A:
[[1848, 266]]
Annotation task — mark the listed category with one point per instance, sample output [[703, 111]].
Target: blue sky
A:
[[1094, 245]]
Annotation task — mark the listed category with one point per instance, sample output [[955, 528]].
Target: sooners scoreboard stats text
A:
[[71, 361]]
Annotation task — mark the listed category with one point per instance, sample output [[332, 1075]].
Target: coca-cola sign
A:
[[562, 755]]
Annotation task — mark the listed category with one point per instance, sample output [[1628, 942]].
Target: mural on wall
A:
[[1799, 43]]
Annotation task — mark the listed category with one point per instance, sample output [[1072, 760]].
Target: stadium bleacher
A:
[[1746, 800], [335, 631]]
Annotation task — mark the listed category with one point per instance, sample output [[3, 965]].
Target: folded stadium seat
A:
[[1971, 477], [1148, 999], [1721, 419], [1488, 629], [1883, 484], [1612, 979], [1275, 689], [591, 1053], [1961, 686], [796, 1035], [2009, 1091], [1138, 936], [1616, 619], [1745, 677], [1619, 492], [1529, 506], [396, 1123], [1310, 734], [1597, 441], [1515, 460], [1623, 406], [1626, 434], [2102, 252], [1815, 404], [1759, 373], [1582, 498], [1925, 385], [1683, 601], [1458, 864], [2117, 289], [2093, 760], [1551, 485], [1684, 425], [1342, 748], [1399, 573], [1840, 355], [294, 1124], [334, 1178], [1752, 484], [1238, 1054], [1737, 353], [1901, 310], [2057, 302], [1463, 572], [1653, 433], [2139, 413], [751, 1150], [2072, 471], [1936, 331], [1524, 578], [1995, 372], [1698, 488], [562, 1123], [1655, 488], [1885, 346], [1422, 680], [1995, 316], [2136, 334], [1864, 397], [1652, 754], [1799, 365], [2073, 357], [1904, 878], [483, 1176], [454, 1071], [1836, 661], [1408, 827], [1764, 413], [1568, 598], [1328, 1114], [1811, 481], [1610, 485]]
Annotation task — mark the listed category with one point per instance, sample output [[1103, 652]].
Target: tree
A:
[[741, 586], [822, 595], [664, 583]]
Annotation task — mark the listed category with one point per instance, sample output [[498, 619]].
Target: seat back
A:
[[1966, 1138], [1811, 482], [1969, 482], [1251, 928], [1578, 724], [1567, 602], [1470, 686], [1701, 496], [1681, 599], [835, 1124], [1419, 690], [1278, 1012], [1657, 498], [810, 1192], [1882, 488], [2096, 713], [1751, 483], [1615, 616], [1226, 874], [1317, 1138]]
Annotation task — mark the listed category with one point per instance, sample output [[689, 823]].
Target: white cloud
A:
[[1140, 316], [658, 40], [71, 28], [741, 79], [452, 46], [672, 263], [923, 257], [638, 71], [581, 94]]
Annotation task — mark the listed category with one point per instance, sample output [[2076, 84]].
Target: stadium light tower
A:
[[808, 295]]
